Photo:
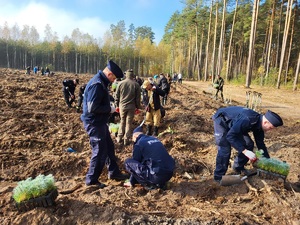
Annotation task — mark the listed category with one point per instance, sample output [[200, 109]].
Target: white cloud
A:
[[62, 22]]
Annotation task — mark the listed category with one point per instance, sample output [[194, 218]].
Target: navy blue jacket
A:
[[96, 103], [70, 84], [241, 121], [150, 151], [81, 89], [164, 85]]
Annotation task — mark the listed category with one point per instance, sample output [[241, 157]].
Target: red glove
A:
[[118, 110], [137, 111]]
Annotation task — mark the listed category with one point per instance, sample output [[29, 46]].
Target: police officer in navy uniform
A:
[[231, 127], [96, 111], [80, 97], [150, 165], [69, 87]]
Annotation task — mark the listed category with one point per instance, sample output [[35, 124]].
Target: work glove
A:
[[137, 111], [67, 88], [112, 107], [250, 155], [118, 110]]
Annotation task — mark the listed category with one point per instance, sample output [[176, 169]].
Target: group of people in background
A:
[[129, 95], [37, 70], [97, 108], [112, 91]]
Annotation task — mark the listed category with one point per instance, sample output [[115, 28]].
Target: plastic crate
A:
[[270, 175], [43, 201]]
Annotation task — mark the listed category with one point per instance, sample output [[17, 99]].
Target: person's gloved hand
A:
[[67, 88], [112, 107], [137, 111], [153, 88], [118, 110], [250, 155], [127, 184]]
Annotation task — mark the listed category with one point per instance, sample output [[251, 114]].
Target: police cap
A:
[[274, 118], [138, 129], [115, 69]]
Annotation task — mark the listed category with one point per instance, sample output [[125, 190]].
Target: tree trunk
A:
[[200, 54], [251, 43], [285, 36], [221, 44], [7, 54], [214, 46], [76, 63], [15, 57], [278, 36], [290, 49], [197, 53], [230, 42], [270, 40], [207, 43], [296, 74]]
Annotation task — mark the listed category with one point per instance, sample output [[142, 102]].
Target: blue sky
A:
[[90, 16]]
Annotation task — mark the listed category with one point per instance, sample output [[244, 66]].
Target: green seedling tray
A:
[[43, 201], [270, 175]]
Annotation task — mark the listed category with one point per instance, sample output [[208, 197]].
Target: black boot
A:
[[155, 132], [149, 128]]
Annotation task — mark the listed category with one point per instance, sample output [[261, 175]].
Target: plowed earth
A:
[[36, 127]]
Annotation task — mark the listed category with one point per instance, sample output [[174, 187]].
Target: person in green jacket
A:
[[127, 100]]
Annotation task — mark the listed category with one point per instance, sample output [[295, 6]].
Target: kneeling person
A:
[[150, 165]]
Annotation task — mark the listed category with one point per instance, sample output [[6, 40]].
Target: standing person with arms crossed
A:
[[231, 126], [96, 111], [127, 99]]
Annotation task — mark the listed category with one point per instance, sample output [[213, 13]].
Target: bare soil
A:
[[36, 127]]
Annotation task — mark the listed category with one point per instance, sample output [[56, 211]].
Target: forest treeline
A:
[[248, 41]]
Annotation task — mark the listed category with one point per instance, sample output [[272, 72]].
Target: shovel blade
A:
[[229, 180]]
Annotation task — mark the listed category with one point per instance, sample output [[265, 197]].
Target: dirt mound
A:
[[36, 127]]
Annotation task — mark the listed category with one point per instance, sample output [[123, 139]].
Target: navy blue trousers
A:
[[67, 97], [224, 149], [103, 152], [142, 174]]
